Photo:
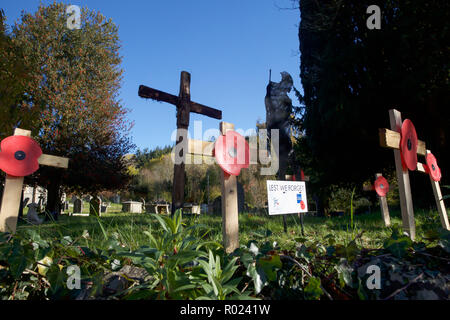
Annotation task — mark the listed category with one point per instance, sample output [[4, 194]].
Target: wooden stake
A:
[[230, 214], [230, 217], [404, 186], [11, 196], [13, 188], [384, 207], [439, 202]]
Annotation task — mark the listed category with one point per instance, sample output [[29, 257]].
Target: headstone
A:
[[95, 206], [132, 206], [32, 215], [116, 199], [217, 205], [77, 206], [150, 208], [25, 201], [190, 208]]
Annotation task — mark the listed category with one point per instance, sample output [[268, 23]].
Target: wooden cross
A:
[[13, 188], [230, 217], [184, 107], [391, 139]]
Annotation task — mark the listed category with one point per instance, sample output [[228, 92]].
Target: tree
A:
[[13, 78], [76, 76], [352, 76]]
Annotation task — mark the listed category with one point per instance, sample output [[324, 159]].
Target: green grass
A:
[[128, 228]]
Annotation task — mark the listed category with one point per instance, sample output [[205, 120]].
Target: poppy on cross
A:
[[20, 156]]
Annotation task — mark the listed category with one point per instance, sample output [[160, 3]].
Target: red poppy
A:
[[232, 152], [19, 156], [381, 186], [408, 145], [302, 205], [433, 168]]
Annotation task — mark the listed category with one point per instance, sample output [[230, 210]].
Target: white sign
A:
[[286, 197]]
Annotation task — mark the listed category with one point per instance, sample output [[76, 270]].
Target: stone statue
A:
[[32, 215], [278, 112]]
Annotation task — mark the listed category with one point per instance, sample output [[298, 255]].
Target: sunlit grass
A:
[[129, 228]]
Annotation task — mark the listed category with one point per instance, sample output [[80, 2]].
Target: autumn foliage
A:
[[74, 78]]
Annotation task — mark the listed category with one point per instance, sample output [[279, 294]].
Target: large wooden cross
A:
[[391, 139], [13, 188], [184, 107]]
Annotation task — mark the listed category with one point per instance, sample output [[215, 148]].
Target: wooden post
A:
[[11, 196], [13, 189], [384, 207], [300, 215], [439, 202], [404, 186], [183, 111], [230, 217]]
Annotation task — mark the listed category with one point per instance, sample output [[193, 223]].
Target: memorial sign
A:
[[285, 197]]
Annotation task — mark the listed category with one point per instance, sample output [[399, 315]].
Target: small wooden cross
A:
[[184, 107], [383, 203], [13, 188], [437, 197], [391, 139], [230, 217]]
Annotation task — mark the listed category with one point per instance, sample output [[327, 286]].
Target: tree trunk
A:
[[53, 206]]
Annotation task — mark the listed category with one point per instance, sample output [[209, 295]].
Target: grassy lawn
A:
[[128, 228]]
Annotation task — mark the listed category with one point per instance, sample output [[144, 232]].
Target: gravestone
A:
[[32, 215], [95, 206], [191, 208], [25, 202], [77, 205], [161, 207], [132, 206], [217, 203]]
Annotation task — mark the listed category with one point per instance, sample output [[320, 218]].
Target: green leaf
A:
[[398, 247], [345, 273], [17, 261], [56, 277], [270, 265], [313, 291], [258, 278]]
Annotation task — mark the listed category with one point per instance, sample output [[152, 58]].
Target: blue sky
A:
[[227, 46]]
